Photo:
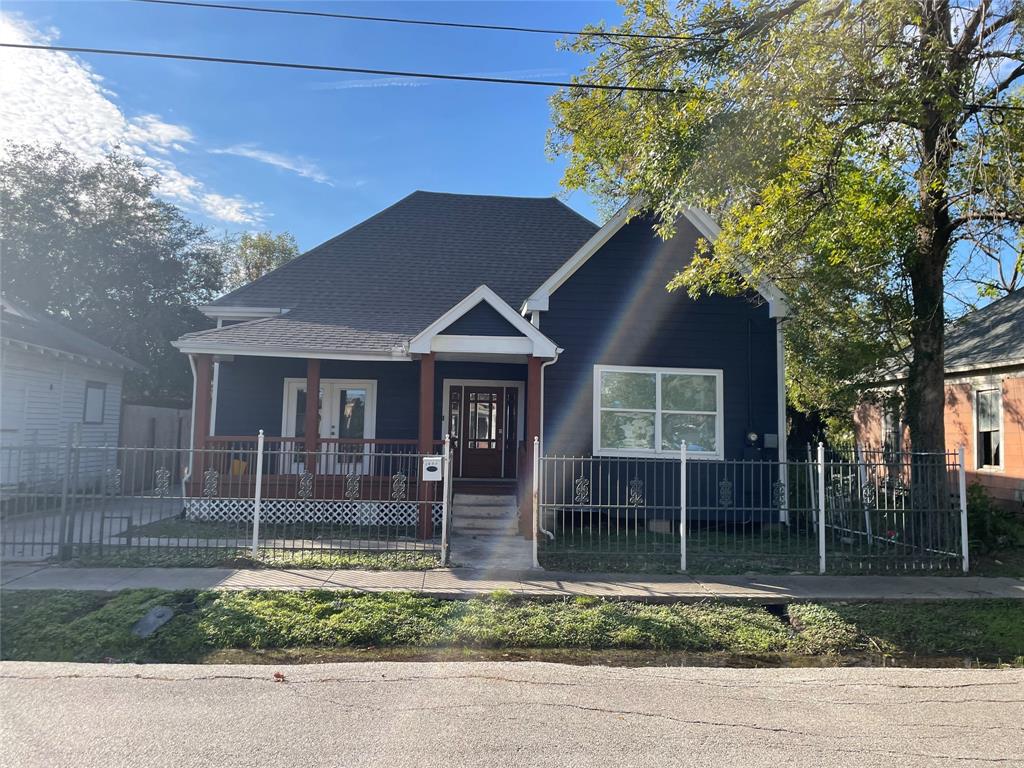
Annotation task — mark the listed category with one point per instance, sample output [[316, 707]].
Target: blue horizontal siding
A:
[[615, 310], [481, 320], [250, 393]]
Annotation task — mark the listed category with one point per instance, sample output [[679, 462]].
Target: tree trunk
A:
[[927, 264], [926, 399]]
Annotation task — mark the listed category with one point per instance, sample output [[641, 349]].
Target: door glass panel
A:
[[352, 413], [454, 414], [483, 420], [300, 412]]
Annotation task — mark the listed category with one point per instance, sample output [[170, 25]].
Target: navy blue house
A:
[[497, 321]]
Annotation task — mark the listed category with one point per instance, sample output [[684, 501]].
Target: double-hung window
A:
[[651, 411], [988, 413]]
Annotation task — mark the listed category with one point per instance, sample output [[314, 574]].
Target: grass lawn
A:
[[765, 550], [85, 626], [233, 557]]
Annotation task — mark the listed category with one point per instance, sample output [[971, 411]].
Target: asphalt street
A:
[[505, 714]]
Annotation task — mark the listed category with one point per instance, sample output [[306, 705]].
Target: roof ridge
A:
[[488, 196]]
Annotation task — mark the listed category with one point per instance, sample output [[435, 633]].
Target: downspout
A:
[[554, 360], [216, 378], [192, 427], [780, 384]]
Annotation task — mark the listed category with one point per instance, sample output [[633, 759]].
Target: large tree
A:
[[253, 254], [863, 154], [91, 244]]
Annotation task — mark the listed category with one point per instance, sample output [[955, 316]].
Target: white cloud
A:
[[52, 97], [299, 165]]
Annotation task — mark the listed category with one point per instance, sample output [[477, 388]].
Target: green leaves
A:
[[91, 244], [830, 140]]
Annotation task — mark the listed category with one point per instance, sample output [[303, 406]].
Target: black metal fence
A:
[[861, 513], [151, 506]]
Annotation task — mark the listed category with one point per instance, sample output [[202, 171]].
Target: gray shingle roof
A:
[[19, 324], [380, 283], [988, 337]]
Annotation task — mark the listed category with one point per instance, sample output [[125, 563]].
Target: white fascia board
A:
[[499, 345], [61, 354], [216, 312], [540, 345], [244, 350], [702, 222]]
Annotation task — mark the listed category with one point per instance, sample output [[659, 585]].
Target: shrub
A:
[[990, 525]]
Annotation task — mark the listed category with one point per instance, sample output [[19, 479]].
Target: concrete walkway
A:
[[463, 583]]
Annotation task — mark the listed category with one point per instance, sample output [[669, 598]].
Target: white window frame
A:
[[331, 388], [95, 386], [988, 386], [719, 451]]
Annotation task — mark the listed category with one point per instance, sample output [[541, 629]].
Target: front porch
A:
[[354, 454]]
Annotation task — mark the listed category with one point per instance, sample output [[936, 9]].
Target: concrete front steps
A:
[[483, 514]]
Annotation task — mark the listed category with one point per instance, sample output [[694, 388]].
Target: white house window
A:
[[892, 428], [988, 420], [650, 411], [95, 402]]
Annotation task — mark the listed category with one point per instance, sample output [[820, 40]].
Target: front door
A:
[[483, 411], [347, 416]]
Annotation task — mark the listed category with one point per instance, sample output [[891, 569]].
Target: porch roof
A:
[[373, 288]]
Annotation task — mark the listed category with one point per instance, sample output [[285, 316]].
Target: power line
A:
[[403, 73], [347, 70], [419, 22]]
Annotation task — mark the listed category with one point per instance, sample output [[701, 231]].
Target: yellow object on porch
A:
[[239, 467]]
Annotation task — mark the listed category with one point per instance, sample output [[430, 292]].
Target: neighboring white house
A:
[[52, 378]]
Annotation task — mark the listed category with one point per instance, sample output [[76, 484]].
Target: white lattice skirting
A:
[[311, 511]]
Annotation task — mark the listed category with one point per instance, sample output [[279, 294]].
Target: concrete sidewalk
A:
[[463, 583]]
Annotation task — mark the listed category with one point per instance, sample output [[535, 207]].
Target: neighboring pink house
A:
[[984, 399]]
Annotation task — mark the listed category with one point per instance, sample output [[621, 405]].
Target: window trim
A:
[[658, 451], [976, 390], [102, 387]]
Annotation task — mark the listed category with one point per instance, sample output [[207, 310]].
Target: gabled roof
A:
[[987, 338], [374, 287], [526, 341], [701, 221], [21, 327]]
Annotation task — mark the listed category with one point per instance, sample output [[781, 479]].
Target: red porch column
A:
[[202, 405], [312, 423], [426, 440], [533, 389]]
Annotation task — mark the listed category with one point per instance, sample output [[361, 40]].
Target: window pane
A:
[[300, 413], [627, 430], [988, 410], [688, 392], [353, 413], [94, 397], [627, 390], [698, 431]]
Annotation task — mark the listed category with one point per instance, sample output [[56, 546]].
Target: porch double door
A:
[[483, 420], [347, 413]]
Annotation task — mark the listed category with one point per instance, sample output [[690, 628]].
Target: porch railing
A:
[[860, 513]]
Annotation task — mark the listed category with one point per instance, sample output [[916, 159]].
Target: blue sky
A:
[[311, 153]]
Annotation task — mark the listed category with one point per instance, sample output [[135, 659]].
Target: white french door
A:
[[348, 410]]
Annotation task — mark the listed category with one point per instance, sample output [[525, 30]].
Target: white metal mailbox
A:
[[432, 468]]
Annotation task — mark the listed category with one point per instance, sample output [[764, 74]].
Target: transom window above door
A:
[[651, 411]]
